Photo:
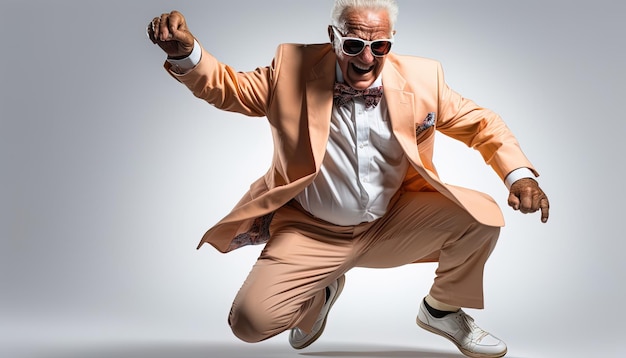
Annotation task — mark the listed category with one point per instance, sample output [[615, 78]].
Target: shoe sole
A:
[[451, 339], [340, 283]]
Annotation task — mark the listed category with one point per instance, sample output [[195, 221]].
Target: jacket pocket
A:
[[426, 129]]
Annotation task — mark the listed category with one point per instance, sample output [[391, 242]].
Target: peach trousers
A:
[[286, 286]]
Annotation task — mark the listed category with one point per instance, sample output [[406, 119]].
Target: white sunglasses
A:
[[353, 46]]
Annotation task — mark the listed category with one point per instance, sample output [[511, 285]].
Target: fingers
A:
[[151, 31], [163, 28], [527, 197], [154, 30], [514, 201], [529, 203], [175, 24], [169, 31], [545, 209]]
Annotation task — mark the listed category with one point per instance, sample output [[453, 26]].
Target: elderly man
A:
[[352, 183]]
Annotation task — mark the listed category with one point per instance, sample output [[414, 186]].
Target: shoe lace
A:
[[467, 324]]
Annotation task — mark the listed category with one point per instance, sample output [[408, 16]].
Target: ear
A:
[[331, 35]]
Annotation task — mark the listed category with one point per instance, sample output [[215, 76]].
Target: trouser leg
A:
[[286, 286], [429, 227]]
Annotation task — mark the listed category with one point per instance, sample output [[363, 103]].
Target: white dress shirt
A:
[[363, 167]]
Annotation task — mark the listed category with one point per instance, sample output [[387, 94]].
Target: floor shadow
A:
[[222, 350], [382, 353]]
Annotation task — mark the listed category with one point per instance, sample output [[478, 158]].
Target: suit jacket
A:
[[295, 94]]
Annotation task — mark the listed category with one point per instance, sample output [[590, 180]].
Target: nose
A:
[[366, 55]]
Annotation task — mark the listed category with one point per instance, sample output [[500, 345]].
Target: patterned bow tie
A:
[[344, 93]]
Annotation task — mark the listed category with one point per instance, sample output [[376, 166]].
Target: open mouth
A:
[[361, 71]]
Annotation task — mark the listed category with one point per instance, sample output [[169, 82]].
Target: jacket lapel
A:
[[400, 105], [319, 96]]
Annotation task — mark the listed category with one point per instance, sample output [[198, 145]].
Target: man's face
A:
[[361, 71]]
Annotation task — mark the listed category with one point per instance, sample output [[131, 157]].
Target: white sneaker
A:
[[299, 339], [460, 328]]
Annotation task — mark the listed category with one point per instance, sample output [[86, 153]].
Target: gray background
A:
[[111, 173]]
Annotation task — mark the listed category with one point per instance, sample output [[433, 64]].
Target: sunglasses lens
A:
[[353, 47], [380, 48]]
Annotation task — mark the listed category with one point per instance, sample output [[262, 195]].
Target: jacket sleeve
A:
[[479, 128], [248, 93]]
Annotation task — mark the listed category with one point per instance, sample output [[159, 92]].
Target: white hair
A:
[[341, 6]]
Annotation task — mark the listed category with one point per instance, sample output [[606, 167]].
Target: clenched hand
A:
[[527, 197], [170, 33]]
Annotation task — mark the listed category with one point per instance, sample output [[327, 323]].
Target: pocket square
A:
[[428, 122]]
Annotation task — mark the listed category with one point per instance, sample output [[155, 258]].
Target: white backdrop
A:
[[112, 171]]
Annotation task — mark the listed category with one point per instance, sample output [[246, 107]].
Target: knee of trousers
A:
[[254, 323], [492, 232], [489, 234]]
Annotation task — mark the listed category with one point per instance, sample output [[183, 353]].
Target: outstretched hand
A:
[[527, 197], [170, 33]]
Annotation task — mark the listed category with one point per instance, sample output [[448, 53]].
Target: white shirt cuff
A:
[[516, 175], [187, 64]]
